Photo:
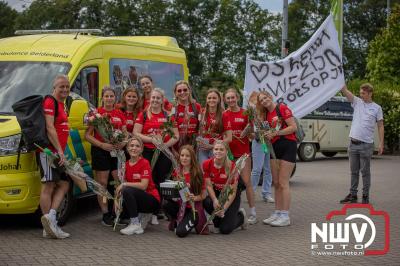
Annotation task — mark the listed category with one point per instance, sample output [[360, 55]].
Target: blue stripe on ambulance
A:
[[76, 142]]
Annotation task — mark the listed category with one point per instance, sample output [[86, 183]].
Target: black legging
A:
[[232, 218], [161, 169], [183, 228], [136, 200]]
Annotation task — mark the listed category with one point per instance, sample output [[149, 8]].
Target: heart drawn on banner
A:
[[260, 72]]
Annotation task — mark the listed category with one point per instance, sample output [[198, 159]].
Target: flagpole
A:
[[337, 13], [341, 25], [284, 51]]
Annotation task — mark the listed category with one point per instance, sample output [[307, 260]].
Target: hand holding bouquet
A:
[[227, 190]]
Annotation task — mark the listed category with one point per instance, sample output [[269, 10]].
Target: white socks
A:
[[253, 211], [282, 213], [135, 220], [53, 215]]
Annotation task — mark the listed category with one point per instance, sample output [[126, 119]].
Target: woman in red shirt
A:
[[181, 217], [147, 86], [240, 146], [214, 125], [140, 195], [186, 114], [216, 171], [131, 107], [147, 126], [283, 140], [102, 162]]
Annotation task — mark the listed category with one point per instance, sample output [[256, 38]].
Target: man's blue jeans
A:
[[261, 161]]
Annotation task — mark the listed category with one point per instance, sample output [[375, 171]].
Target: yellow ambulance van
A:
[[28, 65]]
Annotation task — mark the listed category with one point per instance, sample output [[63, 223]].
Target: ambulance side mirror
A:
[[78, 113]]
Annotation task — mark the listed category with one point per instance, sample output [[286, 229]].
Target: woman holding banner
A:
[[283, 139]]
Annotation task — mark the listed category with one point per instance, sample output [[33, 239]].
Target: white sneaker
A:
[[132, 229], [272, 218], [269, 199], [145, 219], [245, 224], [281, 221], [45, 235], [154, 220], [215, 230], [49, 226], [252, 219], [60, 234]]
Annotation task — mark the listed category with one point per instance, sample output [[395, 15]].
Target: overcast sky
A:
[[271, 5]]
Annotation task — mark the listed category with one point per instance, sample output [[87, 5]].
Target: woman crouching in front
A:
[[140, 195], [216, 171], [181, 217]]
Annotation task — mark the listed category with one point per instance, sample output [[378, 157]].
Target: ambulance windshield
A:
[[20, 79]]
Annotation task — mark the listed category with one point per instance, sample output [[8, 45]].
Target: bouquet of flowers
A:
[[166, 129], [181, 186], [261, 129], [74, 169], [227, 190], [106, 130], [102, 125], [118, 199], [251, 114], [210, 131]]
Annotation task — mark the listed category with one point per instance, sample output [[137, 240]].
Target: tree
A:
[[384, 52], [216, 34], [51, 14], [362, 21], [7, 21]]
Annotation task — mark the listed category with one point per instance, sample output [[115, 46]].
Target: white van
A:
[[327, 130]]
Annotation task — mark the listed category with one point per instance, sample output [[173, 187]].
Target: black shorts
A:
[[47, 172], [285, 150], [102, 160]]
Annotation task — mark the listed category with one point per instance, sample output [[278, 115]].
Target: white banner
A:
[[306, 78]]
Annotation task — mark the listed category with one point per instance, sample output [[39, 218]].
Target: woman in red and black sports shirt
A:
[[214, 125], [181, 217], [140, 195], [148, 125], [147, 86], [240, 146], [102, 162], [131, 107], [186, 114], [283, 140], [216, 171]]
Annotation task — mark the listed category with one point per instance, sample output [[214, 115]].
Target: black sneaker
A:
[[365, 199], [108, 219], [349, 199]]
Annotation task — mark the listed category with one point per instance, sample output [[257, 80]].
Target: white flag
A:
[[306, 78]]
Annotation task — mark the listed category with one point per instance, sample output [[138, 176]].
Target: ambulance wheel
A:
[[307, 152], [66, 206]]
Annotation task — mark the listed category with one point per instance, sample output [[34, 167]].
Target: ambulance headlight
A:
[[9, 145]]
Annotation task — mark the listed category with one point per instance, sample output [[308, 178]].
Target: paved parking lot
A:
[[316, 190]]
